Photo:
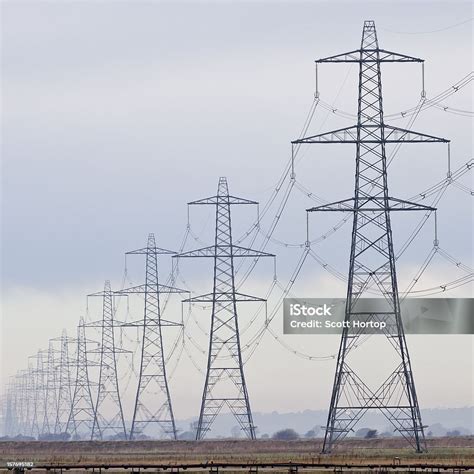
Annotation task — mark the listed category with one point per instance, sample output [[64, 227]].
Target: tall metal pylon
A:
[[11, 417], [30, 398], [108, 420], [40, 384], [372, 260], [82, 414], [225, 372], [64, 402], [24, 410], [18, 403], [51, 388], [153, 400], [36, 390]]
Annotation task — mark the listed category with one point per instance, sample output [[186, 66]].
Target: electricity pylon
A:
[[30, 398], [108, 392], [153, 400], [40, 390], [64, 382], [38, 394], [82, 412], [51, 388], [17, 403], [11, 422], [372, 260], [224, 360]]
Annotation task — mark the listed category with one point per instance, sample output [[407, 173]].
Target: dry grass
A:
[[457, 450]]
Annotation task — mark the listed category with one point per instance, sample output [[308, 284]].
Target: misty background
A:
[[115, 115]]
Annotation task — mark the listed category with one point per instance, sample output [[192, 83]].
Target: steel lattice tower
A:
[[82, 412], [64, 380], [17, 394], [10, 412], [152, 379], [39, 393], [36, 395], [51, 400], [30, 396], [24, 402], [224, 359], [108, 393], [372, 260]]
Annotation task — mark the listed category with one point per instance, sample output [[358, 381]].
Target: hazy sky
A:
[[116, 114]]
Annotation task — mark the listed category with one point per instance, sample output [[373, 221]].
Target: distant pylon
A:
[[64, 384], [82, 414], [108, 420], [372, 258], [18, 403], [30, 397], [225, 372], [10, 413], [24, 422], [153, 400], [39, 399], [50, 396]]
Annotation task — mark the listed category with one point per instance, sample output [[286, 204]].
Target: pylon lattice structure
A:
[[10, 420], [16, 412], [50, 401], [224, 363], [108, 420], [64, 394], [153, 400], [22, 409], [372, 260], [29, 390], [12, 413], [82, 415], [39, 399]]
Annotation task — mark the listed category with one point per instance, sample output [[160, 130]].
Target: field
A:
[[454, 453]]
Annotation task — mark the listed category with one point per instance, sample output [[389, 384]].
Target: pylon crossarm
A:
[[246, 252], [146, 289], [117, 351], [64, 339], [224, 251], [150, 322], [99, 293], [348, 57], [391, 57], [210, 297], [372, 135], [153, 250], [398, 205], [100, 323], [403, 205], [396, 134], [202, 252], [222, 200], [341, 135], [335, 206], [90, 363], [370, 55]]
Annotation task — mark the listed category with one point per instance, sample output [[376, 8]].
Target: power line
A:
[[438, 30]]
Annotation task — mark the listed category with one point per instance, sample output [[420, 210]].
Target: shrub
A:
[[286, 434]]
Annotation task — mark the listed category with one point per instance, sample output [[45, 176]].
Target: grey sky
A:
[[116, 114]]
